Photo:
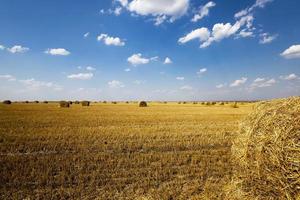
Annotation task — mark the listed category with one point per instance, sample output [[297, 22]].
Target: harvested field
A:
[[105, 151]]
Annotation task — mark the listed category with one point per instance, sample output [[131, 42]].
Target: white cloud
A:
[[239, 82], [33, 84], [257, 80], [8, 77], [137, 59], [115, 84], [180, 78], [139, 82], [123, 2], [245, 33], [258, 3], [90, 68], [202, 71], [219, 86], [81, 76], [161, 10], [86, 35], [186, 87], [118, 11], [201, 33], [2, 47], [266, 38], [262, 82], [292, 52], [108, 40], [242, 27], [57, 52], [18, 49], [168, 61], [289, 77], [204, 11], [127, 70]]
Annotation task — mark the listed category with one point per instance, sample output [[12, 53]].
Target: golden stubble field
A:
[[106, 151]]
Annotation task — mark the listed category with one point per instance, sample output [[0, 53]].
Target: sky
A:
[[169, 50]]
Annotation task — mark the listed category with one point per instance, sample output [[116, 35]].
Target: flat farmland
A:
[[117, 151]]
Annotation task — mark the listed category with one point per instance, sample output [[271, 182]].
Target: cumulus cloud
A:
[[292, 52], [289, 77], [219, 86], [108, 40], [58, 52], [168, 61], [137, 59], [33, 84], [7, 77], [2, 47], [262, 82], [161, 10], [86, 35], [239, 82], [180, 78], [123, 2], [18, 49], [186, 87], [90, 68], [266, 38], [139, 82], [202, 34], [81, 76], [127, 70], [117, 11], [203, 11], [202, 71], [115, 84], [242, 27]]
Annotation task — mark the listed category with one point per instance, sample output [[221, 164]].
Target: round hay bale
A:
[[7, 102], [266, 153], [235, 105], [114, 102], [222, 103], [70, 102], [142, 104], [64, 104], [85, 103], [45, 102], [76, 102]]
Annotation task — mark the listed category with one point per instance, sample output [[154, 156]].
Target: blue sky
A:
[[149, 49]]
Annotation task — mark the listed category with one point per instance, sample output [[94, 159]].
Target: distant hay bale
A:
[[64, 104], [222, 103], [213, 103], [85, 103], [76, 102], [70, 102], [45, 102], [36, 101], [235, 105], [114, 102], [26, 102], [142, 104], [266, 153], [127, 102], [208, 103], [7, 102], [195, 102]]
